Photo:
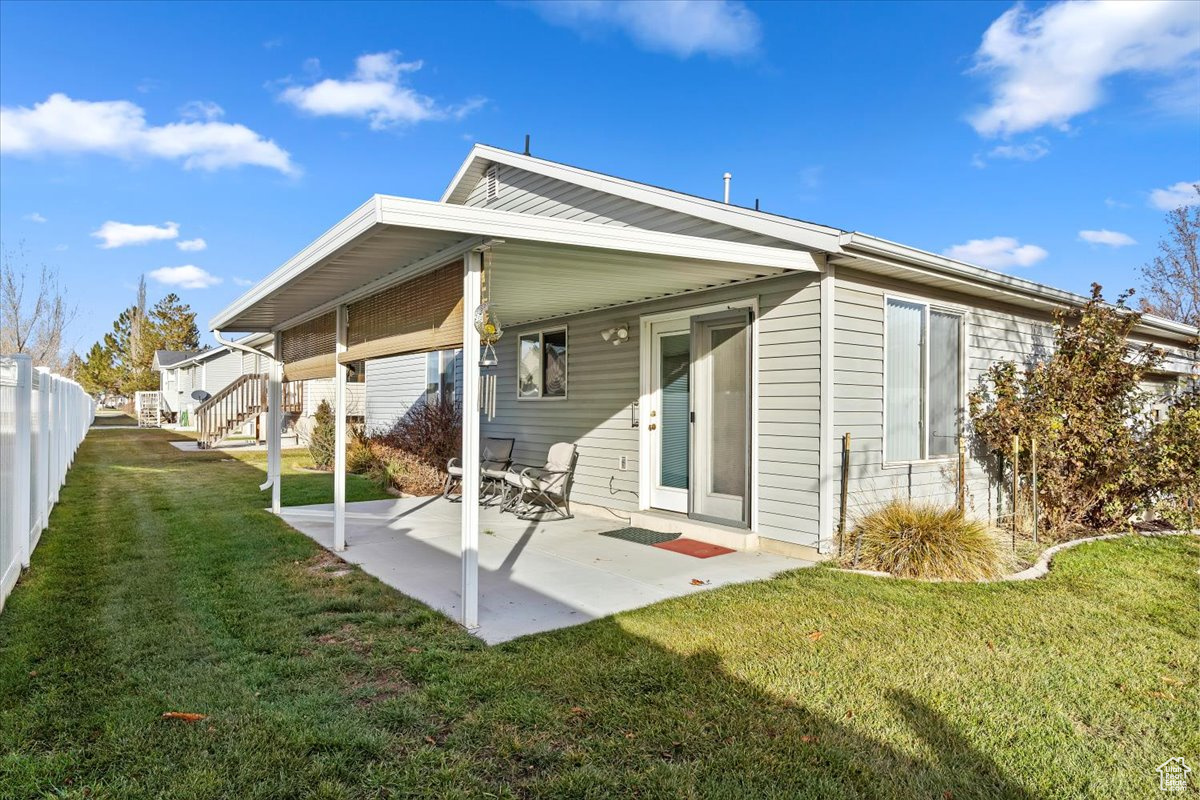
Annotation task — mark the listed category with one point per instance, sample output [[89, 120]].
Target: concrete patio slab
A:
[[533, 577]]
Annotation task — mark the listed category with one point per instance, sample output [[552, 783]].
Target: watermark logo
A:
[[1173, 775]]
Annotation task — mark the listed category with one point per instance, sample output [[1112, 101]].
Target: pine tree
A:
[[97, 374], [174, 324]]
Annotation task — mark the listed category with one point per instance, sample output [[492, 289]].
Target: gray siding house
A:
[[706, 358]]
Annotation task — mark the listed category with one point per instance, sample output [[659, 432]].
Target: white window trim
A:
[[964, 346], [446, 360], [541, 334]]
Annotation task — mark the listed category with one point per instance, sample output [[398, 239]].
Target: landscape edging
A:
[[1040, 568]]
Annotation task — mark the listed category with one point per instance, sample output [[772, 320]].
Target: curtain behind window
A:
[[945, 347], [902, 392]]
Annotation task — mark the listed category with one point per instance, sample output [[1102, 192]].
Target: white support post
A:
[[825, 457], [22, 454], [472, 265], [275, 423], [339, 437]]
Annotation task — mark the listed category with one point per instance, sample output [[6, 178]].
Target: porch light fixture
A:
[[616, 335]]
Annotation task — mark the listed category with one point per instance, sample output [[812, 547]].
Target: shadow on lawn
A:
[[591, 711]]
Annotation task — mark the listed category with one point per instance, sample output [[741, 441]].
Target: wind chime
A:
[[490, 331]]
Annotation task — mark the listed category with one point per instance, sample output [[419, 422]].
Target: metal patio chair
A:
[[535, 491], [495, 460]]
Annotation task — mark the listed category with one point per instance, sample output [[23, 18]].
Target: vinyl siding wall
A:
[[395, 383], [991, 334], [221, 371], [604, 381], [527, 192]]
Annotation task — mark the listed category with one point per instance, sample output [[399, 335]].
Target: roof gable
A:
[[536, 186]]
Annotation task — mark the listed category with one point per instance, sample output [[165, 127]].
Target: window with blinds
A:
[[417, 316], [307, 350], [923, 389]]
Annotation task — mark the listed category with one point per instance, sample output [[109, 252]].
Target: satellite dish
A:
[[200, 395]]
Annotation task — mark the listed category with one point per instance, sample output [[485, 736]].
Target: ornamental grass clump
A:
[[924, 540]]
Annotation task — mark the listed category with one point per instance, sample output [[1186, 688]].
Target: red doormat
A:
[[693, 547]]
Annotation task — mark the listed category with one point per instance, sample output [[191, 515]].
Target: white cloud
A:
[[1112, 203], [186, 277], [61, 248], [191, 245], [122, 234], [1107, 237], [243, 282], [1048, 66], [375, 92], [1178, 194], [1029, 151], [34, 217], [118, 128], [997, 253], [680, 27], [201, 110]]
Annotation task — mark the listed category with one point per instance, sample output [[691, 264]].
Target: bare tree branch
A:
[[34, 326]]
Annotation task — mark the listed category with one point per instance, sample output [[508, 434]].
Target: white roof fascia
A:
[[422, 214], [405, 273], [912, 258], [806, 234], [409, 213], [352, 226]]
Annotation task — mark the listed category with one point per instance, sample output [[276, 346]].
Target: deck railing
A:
[[239, 403], [43, 419]]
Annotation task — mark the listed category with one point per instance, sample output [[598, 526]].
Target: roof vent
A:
[[493, 183]]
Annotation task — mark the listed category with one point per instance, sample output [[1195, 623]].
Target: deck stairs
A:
[[239, 403]]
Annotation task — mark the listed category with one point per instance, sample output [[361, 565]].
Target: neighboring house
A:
[[706, 358], [397, 383], [183, 372]]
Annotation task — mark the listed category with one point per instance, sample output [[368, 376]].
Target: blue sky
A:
[[1042, 140]]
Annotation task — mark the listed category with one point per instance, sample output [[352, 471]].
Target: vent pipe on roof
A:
[[527, 144], [727, 177]]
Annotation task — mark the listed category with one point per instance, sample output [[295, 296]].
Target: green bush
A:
[[1101, 457], [359, 455], [923, 540], [324, 435]]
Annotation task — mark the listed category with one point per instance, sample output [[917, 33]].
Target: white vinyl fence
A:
[[43, 419]]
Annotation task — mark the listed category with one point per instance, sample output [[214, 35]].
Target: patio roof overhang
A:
[[545, 267]]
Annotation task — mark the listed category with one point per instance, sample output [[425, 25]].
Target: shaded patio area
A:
[[533, 577]]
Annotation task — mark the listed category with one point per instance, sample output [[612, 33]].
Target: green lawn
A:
[[111, 416], [163, 586]]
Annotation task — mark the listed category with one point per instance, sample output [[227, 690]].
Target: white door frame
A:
[[646, 349]]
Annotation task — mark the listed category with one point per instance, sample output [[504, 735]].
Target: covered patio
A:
[[533, 577], [401, 276]]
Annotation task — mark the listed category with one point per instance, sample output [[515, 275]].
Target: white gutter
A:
[[236, 345], [272, 477], [899, 255]]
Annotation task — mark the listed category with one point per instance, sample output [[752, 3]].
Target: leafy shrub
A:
[[1098, 449], [324, 435], [404, 471], [923, 540], [431, 431], [359, 455], [1174, 463]]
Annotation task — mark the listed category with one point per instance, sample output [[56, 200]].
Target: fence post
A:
[[44, 433], [21, 465]]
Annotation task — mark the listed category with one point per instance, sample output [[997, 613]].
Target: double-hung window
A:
[[923, 382], [439, 375], [542, 364]]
